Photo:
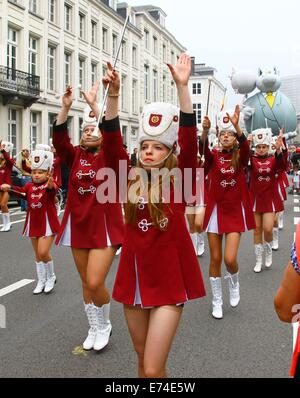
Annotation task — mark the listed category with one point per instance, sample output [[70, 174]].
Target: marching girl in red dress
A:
[[6, 165], [92, 229], [228, 212], [158, 270], [41, 223], [265, 198]]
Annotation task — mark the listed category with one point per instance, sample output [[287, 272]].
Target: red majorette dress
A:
[[264, 191], [5, 172], [87, 223], [157, 267], [282, 178], [228, 202], [41, 218]]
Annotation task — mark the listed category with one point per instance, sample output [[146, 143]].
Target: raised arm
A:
[[243, 142], [61, 139]]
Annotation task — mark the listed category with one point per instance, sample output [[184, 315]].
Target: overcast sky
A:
[[232, 33]]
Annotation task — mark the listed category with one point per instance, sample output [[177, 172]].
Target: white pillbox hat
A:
[[8, 146], [159, 122], [262, 137], [41, 160]]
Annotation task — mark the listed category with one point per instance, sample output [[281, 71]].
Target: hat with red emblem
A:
[[43, 147], [41, 160], [159, 122], [262, 137], [224, 123], [7, 146]]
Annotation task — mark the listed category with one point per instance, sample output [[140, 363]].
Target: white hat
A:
[[8, 146], [41, 160], [43, 147], [262, 137], [159, 122], [224, 122], [89, 119]]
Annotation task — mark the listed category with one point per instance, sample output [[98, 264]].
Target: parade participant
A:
[[93, 230], [41, 223], [228, 211], [25, 167], [264, 193], [6, 166], [158, 269], [287, 299]]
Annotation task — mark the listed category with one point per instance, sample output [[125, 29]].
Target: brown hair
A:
[[235, 161], [155, 205]]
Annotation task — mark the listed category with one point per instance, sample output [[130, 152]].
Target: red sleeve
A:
[[113, 150], [280, 162], [25, 167], [11, 162], [187, 141], [62, 144], [244, 150], [20, 191]]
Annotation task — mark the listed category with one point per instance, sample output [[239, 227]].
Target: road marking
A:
[[296, 201], [15, 286], [296, 209], [296, 220]]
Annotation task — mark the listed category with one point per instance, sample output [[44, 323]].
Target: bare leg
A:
[[81, 257], [215, 246], [44, 246], [268, 225], [258, 233], [232, 243]]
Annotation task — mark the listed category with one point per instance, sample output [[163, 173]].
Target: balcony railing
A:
[[17, 82]]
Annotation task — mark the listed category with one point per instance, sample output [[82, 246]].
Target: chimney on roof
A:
[[193, 66]]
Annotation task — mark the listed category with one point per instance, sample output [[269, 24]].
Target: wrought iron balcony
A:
[[18, 87]]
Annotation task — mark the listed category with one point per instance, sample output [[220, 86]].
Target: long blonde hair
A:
[[156, 204]]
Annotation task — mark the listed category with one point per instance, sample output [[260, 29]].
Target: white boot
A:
[[51, 278], [103, 327], [269, 254], [259, 249], [200, 245], [280, 220], [90, 311], [6, 222], [194, 240], [234, 289], [217, 302], [275, 244], [41, 274]]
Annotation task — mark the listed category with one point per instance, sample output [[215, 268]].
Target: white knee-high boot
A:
[[234, 289], [41, 275], [200, 244], [217, 302], [281, 220], [90, 311], [6, 222], [275, 244], [269, 254], [195, 241], [259, 249], [104, 327], [51, 277]]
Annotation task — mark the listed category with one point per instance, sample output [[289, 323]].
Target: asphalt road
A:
[[43, 333]]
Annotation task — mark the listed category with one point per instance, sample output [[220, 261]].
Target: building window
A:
[[198, 110], [134, 96], [93, 73], [146, 82], [155, 85], [146, 38], [33, 6], [13, 128], [124, 134], [134, 56], [68, 17], [123, 93], [33, 128], [172, 58], [51, 120], [51, 68], [12, 51], [104, 39], [82, 73], [81, 25], [164, 88], [114, 44], [52, 10], [164, 53], [80, 123], [104, 68], [124, 51], [197, 89], [32, 56], [94, 33], [155, 46], [67, 78]]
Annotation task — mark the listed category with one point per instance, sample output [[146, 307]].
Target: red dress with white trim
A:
[[228, 202], [41, 218], [5, 172], [57, 171], [264, 191], [158, 267], [87, 223]]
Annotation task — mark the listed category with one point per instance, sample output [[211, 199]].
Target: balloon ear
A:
[[275, 70], [260, 72]]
